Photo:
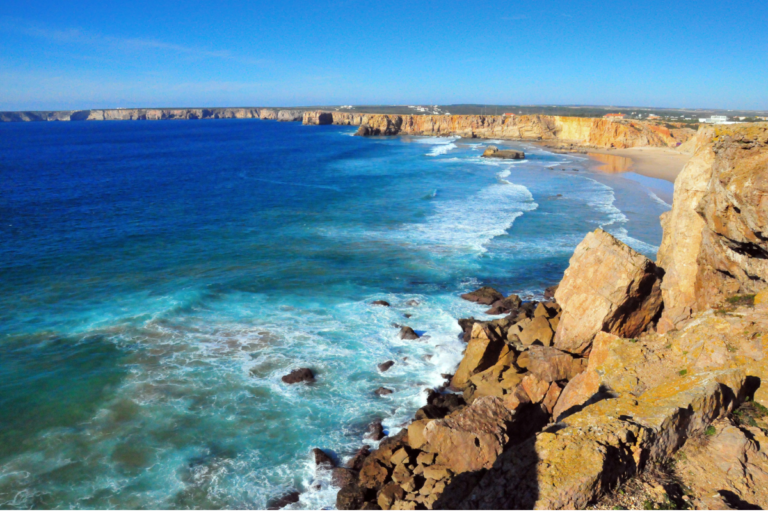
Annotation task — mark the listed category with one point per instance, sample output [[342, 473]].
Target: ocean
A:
[[157, 279]]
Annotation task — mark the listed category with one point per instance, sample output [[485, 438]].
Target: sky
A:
[[80, 54]]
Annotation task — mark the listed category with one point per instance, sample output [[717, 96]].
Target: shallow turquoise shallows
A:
[[158, 279]]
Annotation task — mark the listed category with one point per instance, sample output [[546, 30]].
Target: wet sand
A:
[[661, 163]]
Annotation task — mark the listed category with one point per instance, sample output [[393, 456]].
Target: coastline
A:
[[652, 162]]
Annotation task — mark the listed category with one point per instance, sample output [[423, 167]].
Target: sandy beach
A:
[[662, 163]]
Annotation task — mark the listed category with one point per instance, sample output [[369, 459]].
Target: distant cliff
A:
[[152, 114], [581, 131]]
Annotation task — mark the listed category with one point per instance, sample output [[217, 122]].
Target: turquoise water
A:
[[157, 280]]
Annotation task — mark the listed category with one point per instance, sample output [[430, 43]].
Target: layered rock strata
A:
[[154, 114], [581, 131]]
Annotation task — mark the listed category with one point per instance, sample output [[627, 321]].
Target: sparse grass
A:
[[633, 340], [730, 348], [669, 345], [711, 430], [752, 414], [683, 373], [742, 300]]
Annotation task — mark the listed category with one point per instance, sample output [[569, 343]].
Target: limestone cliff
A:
[[715, 240], [603, 133], [153, 114]]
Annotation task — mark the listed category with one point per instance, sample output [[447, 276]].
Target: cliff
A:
[[152, 114], [564, 404], [715, 240], [581, 131]]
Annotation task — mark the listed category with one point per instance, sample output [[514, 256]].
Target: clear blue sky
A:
[[57, 54]]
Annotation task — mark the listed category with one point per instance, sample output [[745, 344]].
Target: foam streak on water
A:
[[158, 279]]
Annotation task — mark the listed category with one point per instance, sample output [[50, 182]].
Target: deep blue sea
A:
[[158, 278]]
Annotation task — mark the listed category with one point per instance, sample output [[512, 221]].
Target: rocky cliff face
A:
[[153, 114], [714, 242], [558, 419], [601, 133]]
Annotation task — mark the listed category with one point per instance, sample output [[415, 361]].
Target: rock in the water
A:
[[609, 287], [300, 375], [376, 431], [356, 462], [485, 295], [282, 501], [389, 494], [322, 459], [383, 391], [406, 333], [511, 154], [386, 365], [466, 328], [549, 292], [380, 303], [350, 497], [504, 306], [341, 477]]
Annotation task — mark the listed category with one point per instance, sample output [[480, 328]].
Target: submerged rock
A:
[[383, 391], [300, 375], [380, 303], [322, 459], [406, 333], [287, 499], [386, 365]]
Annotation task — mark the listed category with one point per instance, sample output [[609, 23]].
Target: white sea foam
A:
[[441, 149], [469, 224], [659, 200]]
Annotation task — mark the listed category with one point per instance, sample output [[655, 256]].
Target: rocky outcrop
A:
[[714, 242], [607, 287], [506, 154], [290, 115], [319, 117], [603, 133]]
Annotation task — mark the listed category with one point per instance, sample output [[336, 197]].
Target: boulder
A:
[[300, 375], [466, 325], [322, 459], [376, 431], [577, 392], [471, 439], [609, 287], [550, 364], [485, 295], [550, 400], [341, 477], [416, 439], [538, 330], [283, 501], [389, 494], [549, 292], [504, 306], [350, 497], [535, 388], [406, 333], [480, 355], [373, 474], [386, 365], [511, 154], [380, 303], [356, 462]]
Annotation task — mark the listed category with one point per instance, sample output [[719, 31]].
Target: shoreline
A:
[[652, 162]]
